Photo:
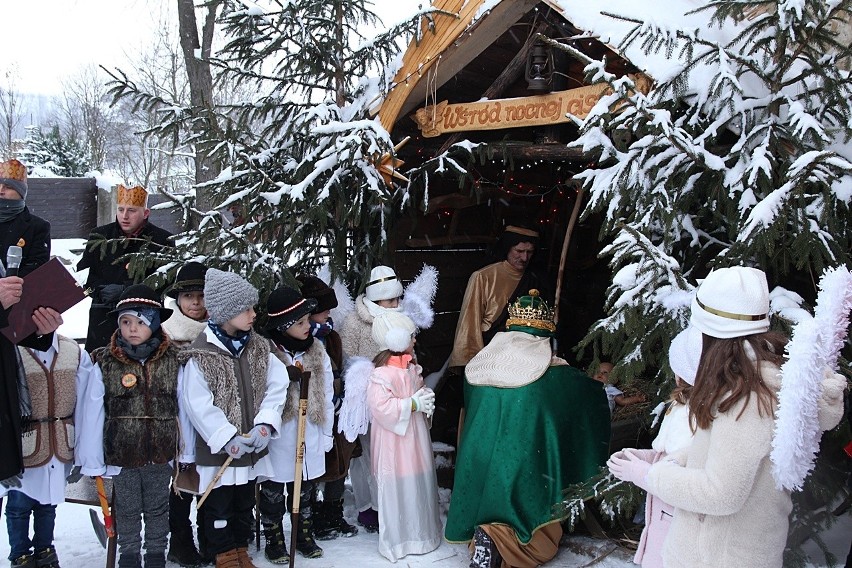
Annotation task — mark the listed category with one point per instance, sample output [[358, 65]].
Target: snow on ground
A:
[[79, 548]]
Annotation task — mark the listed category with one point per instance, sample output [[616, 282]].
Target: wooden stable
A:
[[468, 81]]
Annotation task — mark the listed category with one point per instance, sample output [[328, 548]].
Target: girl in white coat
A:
[[289, 327], [728, 510]]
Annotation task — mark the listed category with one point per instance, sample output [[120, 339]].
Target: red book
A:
[[48, 286]]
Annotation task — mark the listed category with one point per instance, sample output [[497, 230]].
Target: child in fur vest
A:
[[188, 321], [130, 423], [306, 359], [56, 379], [402, 459], [675, 434], [328, 521], [234, 392]]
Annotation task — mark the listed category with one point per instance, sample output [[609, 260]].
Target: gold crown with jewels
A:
[[531, 311]]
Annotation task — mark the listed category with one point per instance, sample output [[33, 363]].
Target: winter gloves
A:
[[75, 475], [13, 482], [423, 401], [239, 446], [628, 467], [259, 437]]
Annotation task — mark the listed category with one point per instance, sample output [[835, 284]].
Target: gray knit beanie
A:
[[226, 295]]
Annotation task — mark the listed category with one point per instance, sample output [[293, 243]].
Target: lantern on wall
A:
[[539, 70]]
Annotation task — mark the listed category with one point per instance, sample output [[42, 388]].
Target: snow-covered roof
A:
[[421, 59]]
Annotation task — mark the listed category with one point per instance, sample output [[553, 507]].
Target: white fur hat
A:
[[393, 330], [383, 284], [685, 352], [732, 302]]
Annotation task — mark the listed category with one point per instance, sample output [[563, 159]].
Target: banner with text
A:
[[538, 110]]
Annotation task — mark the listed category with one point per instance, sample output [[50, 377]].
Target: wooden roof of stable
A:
[[448, 51]]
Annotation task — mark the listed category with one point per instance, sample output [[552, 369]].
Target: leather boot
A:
[[228, 559], [485, 554], [182, 549], [305, 543], [46, 558], [275, 550], [244, 558], [329, 522]]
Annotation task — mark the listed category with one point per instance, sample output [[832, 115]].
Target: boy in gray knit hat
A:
[[234, 389]]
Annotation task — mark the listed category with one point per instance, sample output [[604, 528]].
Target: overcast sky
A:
[[47, 41]]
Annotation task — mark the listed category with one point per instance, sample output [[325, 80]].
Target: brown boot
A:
[[244, 558], [228, 559]]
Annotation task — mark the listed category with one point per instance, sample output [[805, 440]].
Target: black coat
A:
[[32, 234], [104, 271]]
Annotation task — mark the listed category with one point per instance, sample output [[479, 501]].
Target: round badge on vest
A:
[[128, 381]]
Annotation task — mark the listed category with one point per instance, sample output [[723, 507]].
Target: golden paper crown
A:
[[531, 311], [14, 174], [133, 196]]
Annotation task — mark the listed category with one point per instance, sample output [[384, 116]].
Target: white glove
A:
[[259, 437], [238, 446], [423, 401], [328, 443], [648, 455]]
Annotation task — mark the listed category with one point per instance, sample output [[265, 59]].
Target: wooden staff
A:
[[573, 221], [300, 458], [213, 481]]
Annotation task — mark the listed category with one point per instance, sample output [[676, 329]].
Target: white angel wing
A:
[[354, 417], [345, 303], [419, 296]]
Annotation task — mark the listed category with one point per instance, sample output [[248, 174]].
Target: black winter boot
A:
[[275, 550], [485, 554], [182, 549], [329, 523], [305, 543], [46, 558], [24, 561], [154, 559]]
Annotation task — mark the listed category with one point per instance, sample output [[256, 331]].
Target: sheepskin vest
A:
[[238, 385], [312, 361], [50, 430], [140, 405]]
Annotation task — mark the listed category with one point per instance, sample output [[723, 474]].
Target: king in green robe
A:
[[534, 425]]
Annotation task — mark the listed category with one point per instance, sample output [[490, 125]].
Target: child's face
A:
[[321, 317], [392, 303], [191, 305], [240, 322], [133, 330], [603, 372], [410, 349], [301, 329]]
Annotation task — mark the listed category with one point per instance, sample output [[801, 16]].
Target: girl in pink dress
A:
[[402, 460]]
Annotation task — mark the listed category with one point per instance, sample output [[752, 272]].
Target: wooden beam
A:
[[465, 49], [559, 152], [513, 71]]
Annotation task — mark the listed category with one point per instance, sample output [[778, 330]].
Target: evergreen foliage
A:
[[733, 160], [298, 158], [64, 156], [736, 159]]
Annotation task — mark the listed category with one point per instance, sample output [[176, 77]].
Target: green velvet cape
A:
[[521, 446]]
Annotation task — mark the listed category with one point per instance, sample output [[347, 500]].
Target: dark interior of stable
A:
[[520, 176]]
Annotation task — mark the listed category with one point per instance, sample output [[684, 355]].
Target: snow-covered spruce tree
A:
[[299, 157], [740, 157], [63, 156]]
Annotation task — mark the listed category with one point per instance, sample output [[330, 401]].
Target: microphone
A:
[[13, 260]]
